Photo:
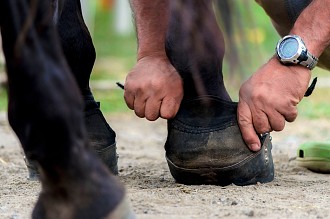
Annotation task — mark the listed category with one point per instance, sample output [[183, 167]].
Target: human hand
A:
[[154, 88], [269, 98]]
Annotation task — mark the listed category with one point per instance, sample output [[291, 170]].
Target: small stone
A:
[[234, 203], [14, 216], [249, 213]]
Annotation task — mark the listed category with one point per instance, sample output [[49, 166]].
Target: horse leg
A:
[[80, 55], [46, 112], [195, 47]]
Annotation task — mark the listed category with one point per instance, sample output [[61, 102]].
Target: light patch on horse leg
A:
[[57, 7], [55, 11]]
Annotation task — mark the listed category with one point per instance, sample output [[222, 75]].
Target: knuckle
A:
[[257, 96], [129, 88], [135, 88], [156, 84]]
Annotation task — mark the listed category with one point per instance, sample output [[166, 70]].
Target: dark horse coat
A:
[[46, 111]]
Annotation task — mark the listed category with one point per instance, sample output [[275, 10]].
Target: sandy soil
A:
[[295, 192]]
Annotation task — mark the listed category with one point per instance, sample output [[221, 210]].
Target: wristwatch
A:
[[291, 50]]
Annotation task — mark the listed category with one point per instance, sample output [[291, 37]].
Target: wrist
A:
[[300, 72], [314, 44], [312, 27], [298, 76], [151, 53], [291, 50]]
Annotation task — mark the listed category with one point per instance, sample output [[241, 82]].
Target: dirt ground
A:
[[295, 192]]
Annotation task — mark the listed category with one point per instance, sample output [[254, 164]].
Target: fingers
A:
[[276, 120], [290, 114], [137, 101], [169, 108], [129, 99], [252, 121], [150, 106], [143, 106], [153, 88], [152, 109], [139, 106], [246, 125], [261, 122], [266, 122]]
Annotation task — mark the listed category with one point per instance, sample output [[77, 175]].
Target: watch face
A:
[[288, 48]]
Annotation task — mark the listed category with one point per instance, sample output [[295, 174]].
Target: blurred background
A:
[[111, 26]]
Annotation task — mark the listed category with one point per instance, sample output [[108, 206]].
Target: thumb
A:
[[245, 123]]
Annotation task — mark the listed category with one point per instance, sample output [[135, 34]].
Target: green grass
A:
[[110, 44], [3, 99], [112, 101], [116, 55], [317, 105]]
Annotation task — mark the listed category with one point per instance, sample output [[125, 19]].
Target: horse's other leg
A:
[[46, 112], [80, 54]]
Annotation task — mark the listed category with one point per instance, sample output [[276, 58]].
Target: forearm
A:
[[151, 19], [314, 27]]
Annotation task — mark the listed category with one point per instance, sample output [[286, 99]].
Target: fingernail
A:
[[254, 147]]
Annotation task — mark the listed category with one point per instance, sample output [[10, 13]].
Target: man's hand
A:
[[154, 88], [269, 98]]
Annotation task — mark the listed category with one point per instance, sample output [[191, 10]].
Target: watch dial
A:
[[288, 48]]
